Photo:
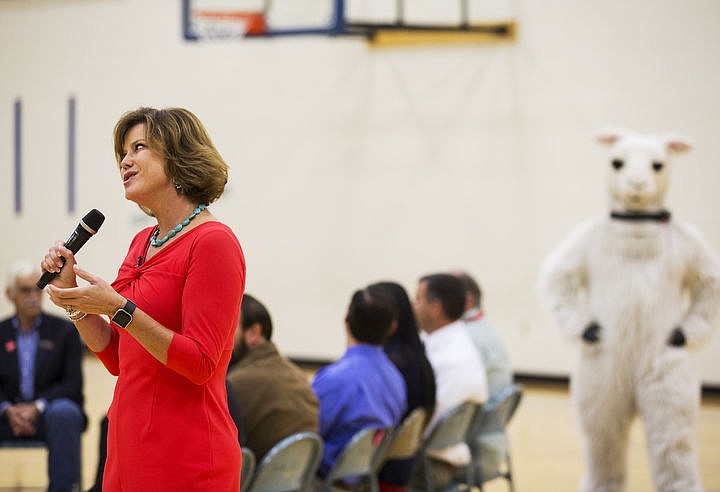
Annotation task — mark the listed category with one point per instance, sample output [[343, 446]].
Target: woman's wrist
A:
[[119, 304]]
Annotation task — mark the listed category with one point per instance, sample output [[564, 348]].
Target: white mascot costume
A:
[[639, 290]]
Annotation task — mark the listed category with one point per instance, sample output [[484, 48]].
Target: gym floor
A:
[[545, 444]]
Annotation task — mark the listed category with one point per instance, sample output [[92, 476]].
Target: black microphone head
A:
[[93, 220]]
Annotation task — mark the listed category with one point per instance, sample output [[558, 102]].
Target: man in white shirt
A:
[[459, 370]]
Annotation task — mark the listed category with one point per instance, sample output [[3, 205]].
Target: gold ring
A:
[[69, 308]]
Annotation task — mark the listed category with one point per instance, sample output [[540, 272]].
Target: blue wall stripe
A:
[[17, 123], [71, 154]]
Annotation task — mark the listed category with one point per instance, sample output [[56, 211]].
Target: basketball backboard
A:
[[213, 19]]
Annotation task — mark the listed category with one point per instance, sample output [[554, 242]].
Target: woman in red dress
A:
[[173, 309]]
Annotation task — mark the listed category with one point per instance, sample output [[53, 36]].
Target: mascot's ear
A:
[[610, 134], [676, 144]]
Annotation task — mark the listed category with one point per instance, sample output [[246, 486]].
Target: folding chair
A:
[[247, 469], [407, 438], [289, 465], [493, 417], [358, 462], [450, 430]]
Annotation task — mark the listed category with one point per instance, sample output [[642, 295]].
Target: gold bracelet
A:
[[78, 318], [74, 315]]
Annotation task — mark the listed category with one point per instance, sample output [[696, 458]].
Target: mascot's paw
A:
[[677, 338], [590, 335]]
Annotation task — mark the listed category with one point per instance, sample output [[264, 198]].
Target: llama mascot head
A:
[[638, 169], [638, 290]]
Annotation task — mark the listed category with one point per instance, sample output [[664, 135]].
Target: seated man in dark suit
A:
[[41, 382]]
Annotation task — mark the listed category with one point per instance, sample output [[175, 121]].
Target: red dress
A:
[[169, 425]]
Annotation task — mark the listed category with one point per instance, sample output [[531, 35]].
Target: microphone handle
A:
[[47, 277], [74, 243]]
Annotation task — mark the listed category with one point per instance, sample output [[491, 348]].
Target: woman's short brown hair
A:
[[193, 162]]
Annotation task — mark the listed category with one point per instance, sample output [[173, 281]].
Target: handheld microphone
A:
[[87, 227]]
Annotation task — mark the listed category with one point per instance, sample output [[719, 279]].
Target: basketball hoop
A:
[[224, 24]]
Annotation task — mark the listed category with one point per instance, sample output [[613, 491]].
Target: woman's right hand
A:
[[53, 262]]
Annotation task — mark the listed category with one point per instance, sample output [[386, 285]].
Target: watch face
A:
[[122, 318]]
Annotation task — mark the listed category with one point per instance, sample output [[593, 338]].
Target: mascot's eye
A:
[[657, 166], [618, 163]]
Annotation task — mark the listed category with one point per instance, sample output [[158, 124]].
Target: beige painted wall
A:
[[351, 164]]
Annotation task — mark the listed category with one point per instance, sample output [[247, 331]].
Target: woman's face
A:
[[142, 169]]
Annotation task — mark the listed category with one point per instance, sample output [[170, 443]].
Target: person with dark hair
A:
[[363, 389], [276, 399], [165, 326], [252, 312], [459, 371], [41, 379], [406, 351]]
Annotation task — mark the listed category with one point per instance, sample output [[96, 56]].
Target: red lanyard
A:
[[477, 316]]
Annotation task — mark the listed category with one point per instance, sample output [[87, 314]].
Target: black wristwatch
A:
[[123, 316]]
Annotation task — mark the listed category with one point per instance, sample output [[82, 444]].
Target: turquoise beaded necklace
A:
[[154, 241]]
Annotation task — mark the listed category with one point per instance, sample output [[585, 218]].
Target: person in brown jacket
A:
[[275, 396]]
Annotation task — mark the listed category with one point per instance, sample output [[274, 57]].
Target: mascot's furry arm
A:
[[563, 282], [702, 282]]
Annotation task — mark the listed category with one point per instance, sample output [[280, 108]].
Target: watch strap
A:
[[129, 307]]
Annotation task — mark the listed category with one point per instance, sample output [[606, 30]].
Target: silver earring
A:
[[178, 188]]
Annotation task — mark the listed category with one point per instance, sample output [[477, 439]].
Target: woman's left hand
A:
[[96, 298]]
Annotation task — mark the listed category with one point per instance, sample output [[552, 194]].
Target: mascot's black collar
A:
[[661, 216]]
